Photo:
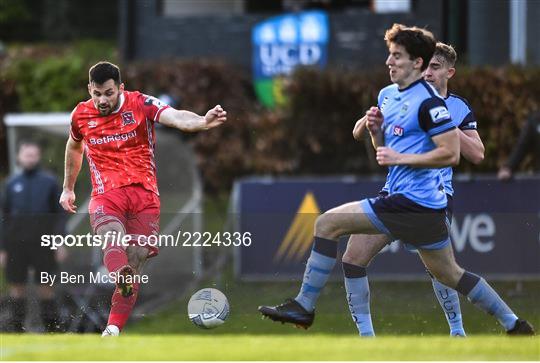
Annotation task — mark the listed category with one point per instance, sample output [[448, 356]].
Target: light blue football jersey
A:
[[463, 118], [412, 116]]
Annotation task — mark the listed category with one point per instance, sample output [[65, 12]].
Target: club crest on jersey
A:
[[404, 109], [127, 118], [92, 124], [398, 131], [99, 211]]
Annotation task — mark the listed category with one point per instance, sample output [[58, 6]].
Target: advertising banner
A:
[[495, 229]]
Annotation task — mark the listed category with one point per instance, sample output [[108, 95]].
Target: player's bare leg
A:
[[361, 248], [443, 266], [345, 219]]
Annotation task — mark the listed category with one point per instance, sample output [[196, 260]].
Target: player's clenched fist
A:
[[215, 117], [374, 119], [387, 156], [67, 200]]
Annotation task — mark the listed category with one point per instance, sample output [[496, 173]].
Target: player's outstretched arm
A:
[[446, 153], [471, 146], [72, 167], [190, 121]]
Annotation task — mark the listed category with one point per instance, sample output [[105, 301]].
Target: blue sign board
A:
[[495, 231], [281, 43]]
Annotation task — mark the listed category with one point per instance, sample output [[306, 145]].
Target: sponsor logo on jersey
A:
[[439, 114], [92, 124], [128, 118], [118, 137], [398, 131]]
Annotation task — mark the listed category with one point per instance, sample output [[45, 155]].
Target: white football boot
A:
[[111, 331]]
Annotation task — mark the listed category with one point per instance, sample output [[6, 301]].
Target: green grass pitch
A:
[[407, 319], [265, 347]]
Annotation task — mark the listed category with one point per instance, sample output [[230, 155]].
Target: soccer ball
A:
[[208, 308]]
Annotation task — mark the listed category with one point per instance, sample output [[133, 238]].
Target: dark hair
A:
[[419, 43], [103, 71], [28, 142], [447, 53]]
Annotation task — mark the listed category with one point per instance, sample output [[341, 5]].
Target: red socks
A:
[[114, 258], [121, 307]]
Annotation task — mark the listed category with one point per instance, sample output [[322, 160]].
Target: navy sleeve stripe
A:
[[468, 123], [433, 113]]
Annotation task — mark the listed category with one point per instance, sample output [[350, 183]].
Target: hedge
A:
[[311, 134]]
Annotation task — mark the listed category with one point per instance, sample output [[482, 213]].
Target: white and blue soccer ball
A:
[[208, 308]]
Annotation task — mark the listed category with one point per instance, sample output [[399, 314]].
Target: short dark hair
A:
[[447, 53], [103, 71], [28, 142], [419, 43]]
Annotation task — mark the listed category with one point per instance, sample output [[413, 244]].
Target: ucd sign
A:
[[495, 231], [281, 43]]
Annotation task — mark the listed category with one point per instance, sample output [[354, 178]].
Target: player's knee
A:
[[449, 275], [324, 226], [112, 226], [354, 259]]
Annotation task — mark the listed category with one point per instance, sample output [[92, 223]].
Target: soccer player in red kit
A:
[[115, 128]]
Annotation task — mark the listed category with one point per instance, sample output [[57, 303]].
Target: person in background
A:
[[529, 141], [29, 210]]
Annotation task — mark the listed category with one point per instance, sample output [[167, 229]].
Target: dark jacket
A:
[[529, 141], [30, 205]]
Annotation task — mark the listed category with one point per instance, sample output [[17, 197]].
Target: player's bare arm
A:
[[72, 167], [359, 128], [471, 146], [446, 153], [374, 121], [191, 122]]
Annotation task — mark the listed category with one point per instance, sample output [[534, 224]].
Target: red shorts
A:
[[135, 208]]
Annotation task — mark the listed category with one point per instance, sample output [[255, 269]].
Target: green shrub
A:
[[53, 79], [310, 134]]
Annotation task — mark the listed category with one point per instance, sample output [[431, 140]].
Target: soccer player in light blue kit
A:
[[438, 73], [414, 136]]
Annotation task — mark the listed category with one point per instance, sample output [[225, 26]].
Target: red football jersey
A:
[[119, 147]]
